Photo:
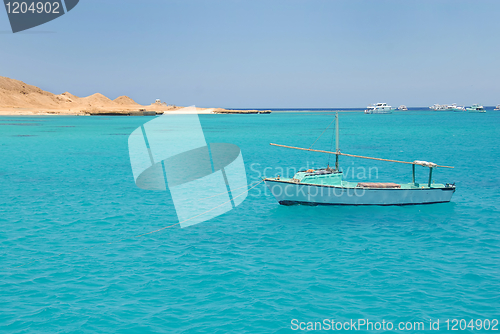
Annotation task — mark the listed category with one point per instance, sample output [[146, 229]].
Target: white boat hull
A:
[[288, 193], [379, 111]]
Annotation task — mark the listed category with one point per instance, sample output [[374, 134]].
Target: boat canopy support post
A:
[[337, 141], [430, 176], [413, 173]]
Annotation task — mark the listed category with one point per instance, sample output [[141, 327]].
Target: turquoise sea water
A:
[[67, 185]]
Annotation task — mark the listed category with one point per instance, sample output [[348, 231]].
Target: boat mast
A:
[[337, 141]]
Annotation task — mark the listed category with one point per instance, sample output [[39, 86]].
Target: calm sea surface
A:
[[67, 185]]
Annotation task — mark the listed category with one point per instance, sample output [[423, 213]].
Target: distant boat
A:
[[458, 108], [498, 107], [454, 107], [476, 108], [402, 107], [325, 186], [437, 107], [379, 108], [446, 107]]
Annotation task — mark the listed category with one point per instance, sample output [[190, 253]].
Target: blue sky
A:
[[281, 54]]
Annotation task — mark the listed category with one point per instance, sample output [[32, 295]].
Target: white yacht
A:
[[402, 107], [447, 107], [379, 108], [438, 107], [476, 108], [454, 107], [498, 107]]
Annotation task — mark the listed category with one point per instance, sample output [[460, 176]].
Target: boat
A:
[[402, 107], [476, 108], [440, 107], [379, 108], [456, 108], [447, 107], [497, 107], [326, 186]]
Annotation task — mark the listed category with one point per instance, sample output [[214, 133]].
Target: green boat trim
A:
[[333, 179]]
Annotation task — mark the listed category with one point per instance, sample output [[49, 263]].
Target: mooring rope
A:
[[218, 206], [204, 198], [141, 235]]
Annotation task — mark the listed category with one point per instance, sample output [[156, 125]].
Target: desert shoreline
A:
[[20, 99], [201, 111]]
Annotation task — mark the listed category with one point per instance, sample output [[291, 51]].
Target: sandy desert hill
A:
[[15, 94], [19, 98], [125, 100]]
